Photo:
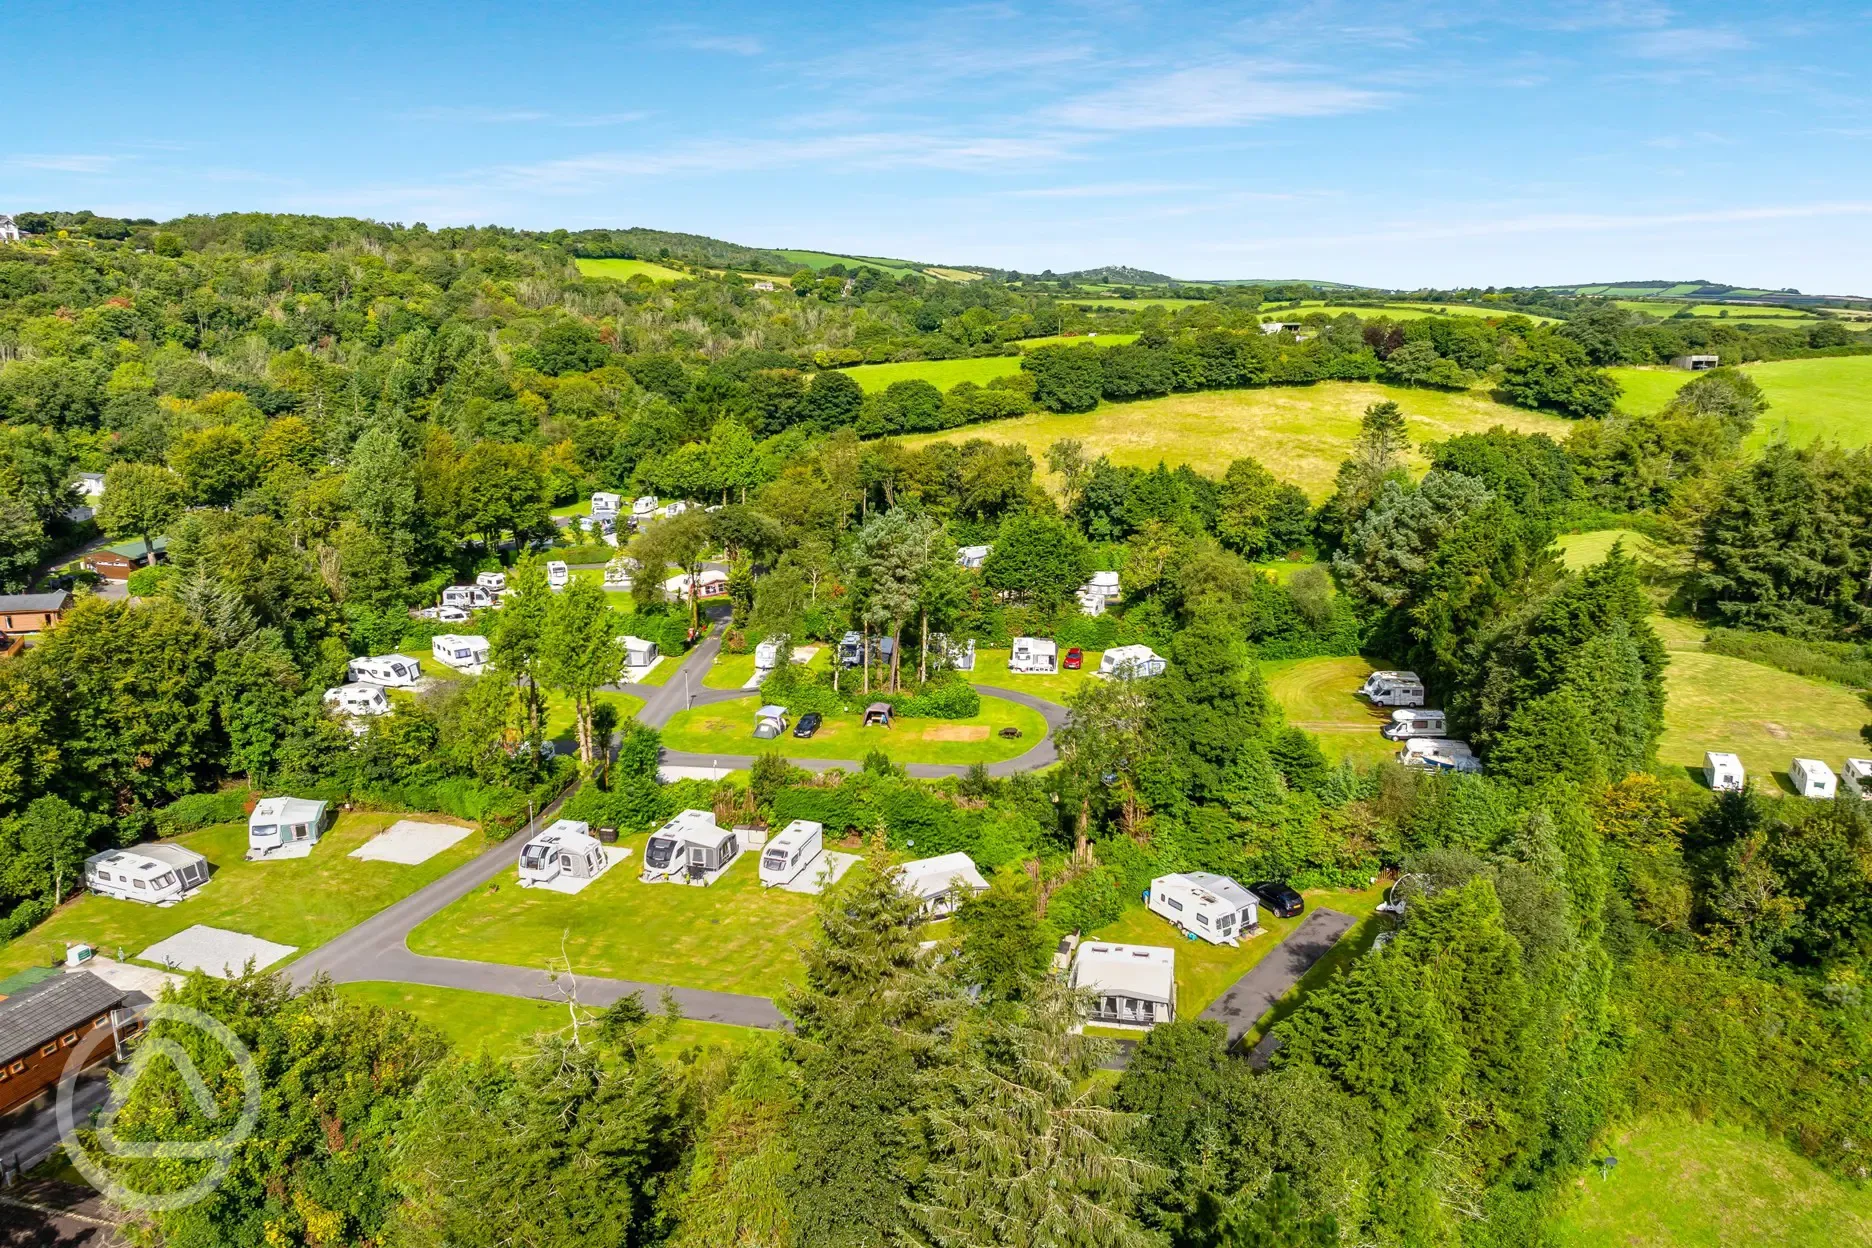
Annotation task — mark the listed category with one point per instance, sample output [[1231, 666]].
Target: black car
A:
[[1283, 901], [808, 724]]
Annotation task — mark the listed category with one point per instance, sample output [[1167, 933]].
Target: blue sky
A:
[[1396, 144]]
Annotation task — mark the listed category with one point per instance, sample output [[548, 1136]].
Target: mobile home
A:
[[790, 853], [1213, 907], [493, 582], [566, 848], [1439, 754], [463, 652], [667, 852], [392, 671], [972, 556], [1034, 655], [770, 722], [280, 822], [149, 873], [1813, 778], [469, 597], [1406, 724], [638, 653], [1857, 778], [1723, 772], [1131, 661], [1132, 985], [558, 576], [937, 881]]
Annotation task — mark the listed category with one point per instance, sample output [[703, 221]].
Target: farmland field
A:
[[624, 270], [1807, 399], [1300, 433], [1097, 337], [1320, 695], [1398, 311], [1115, 302], [816, 260], [1686, 1184], [939, 373], [728, 728], [1767, 716]]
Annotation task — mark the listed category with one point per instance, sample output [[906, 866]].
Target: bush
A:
[[198, 810], [595, 553], [1842, 662], [25, 916], [944, 697], [145, 582]]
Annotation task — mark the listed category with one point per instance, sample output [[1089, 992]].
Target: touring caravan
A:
[[1857, 778], [463, 652], [147, 873], [565, 848], [1211, 906], [1439, 754], [358, 700], [1813, 778], [938, 880], [1034, 655], [558, 576], [392, 671], [643, 509], [1131, 662], [770, 722], [1098, 593], [668, 849], [795, 849], [1723, 772], [493, 582], [1393, 689], [766, 656], [1132, 985], [972, 556], [605, 506], [638, 653], [1406, 724], [468, 597], [959, 655], [279, 823]]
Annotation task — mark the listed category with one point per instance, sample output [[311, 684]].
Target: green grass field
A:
[[1807, 399], [302, 901], [1579, 551], [816, 260], [939, 373], [1299, 433], [1321, 696], [1396, 311], [1096, 337], [733, 671], [559, 721], [1766, 716], [734, 936], [624, 270], [1119, 303], [483, 1022], [1686, 1184], [728, 728], [991, 668]]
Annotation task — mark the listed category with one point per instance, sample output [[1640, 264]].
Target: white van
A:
[[791, 852], [392, 671]]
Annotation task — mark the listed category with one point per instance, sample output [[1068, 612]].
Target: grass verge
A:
[[728, 728]]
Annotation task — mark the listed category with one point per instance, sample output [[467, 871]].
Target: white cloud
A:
[[1684, 43], [738, 45], [64, 162], [1229, 94]]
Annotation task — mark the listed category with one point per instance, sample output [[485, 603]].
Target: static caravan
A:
[[1857, 778], [565, 848], [1034, 655], [937, 881], [605, 506], [667, 852], [1131, 661], [851, 649], [638, 652], [280, 822], [493, 582], [1813, 778], [790, 853], [1098, 593], [468, 597], [358, 700], [1406, 724], [972, 556], [1439, 754], [558, 576], [1132, 985], [1723, 772], [392, 671], [151, 873], [1213, 907], [464, 652], [770, 722]]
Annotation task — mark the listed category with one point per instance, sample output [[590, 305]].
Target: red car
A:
[[1074, 657]]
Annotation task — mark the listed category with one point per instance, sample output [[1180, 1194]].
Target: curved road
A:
[[378, 948]]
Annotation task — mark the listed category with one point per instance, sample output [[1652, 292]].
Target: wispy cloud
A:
[[1684, 43], [737, 45], [476, 115], [1233, 93], [64, 162]]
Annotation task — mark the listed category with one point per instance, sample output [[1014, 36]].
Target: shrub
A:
[[1842, 662], [198, 810]]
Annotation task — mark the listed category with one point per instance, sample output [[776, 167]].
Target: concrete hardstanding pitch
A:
[[216, 951], [409, 842]]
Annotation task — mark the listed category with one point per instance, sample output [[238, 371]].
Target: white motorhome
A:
[[1131, 662], [465, 652], [1813, 778], [392, 671], [770, 722], [1439, 754], [558, 576], [790, 853], [147, 873], [1723, 772], [1857, 778], [938, 880], [1034, 655], [1406, 724], [1132, 985], [1214, 907], [972, 556], [1393, 689], [468, 597], [638, 653], [358, 700], [565, 848], [493, 582], [605, 506]]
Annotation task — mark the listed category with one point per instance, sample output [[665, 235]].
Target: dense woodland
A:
[[332, 419]]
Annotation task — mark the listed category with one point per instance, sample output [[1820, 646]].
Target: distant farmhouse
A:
[[9, 232]]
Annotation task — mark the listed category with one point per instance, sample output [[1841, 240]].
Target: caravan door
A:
[[698, 862]]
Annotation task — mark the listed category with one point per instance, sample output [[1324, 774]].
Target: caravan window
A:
[[164, 880], [1202, 920], [1111, 1006], [532, 860], [1174, 903], [140, 884]]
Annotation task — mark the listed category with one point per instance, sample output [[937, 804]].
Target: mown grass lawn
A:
[[303, 902], [1686, 1184], [1579, 551], [733, 671], [560, 725], [484, 1022], [1321, 696], [939, 373], [1205, 971], [1808, 400], [991, 668], [733, 936], [1299, 433], [1397, 311], [728, 728], [1768, 717], [624, 270]]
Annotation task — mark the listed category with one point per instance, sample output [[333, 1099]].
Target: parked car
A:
[[1282, 900], [1075, 658], [808, 724]]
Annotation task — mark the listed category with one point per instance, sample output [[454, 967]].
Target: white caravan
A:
[[392, 671], [1813, 778], [1038, 655], [936, 881], [358, 700], [1098, 593], [468, 597], [766, 656], [790, 853], [1439, 754], [1406, 724], [1723, 772], [1131, 662], [1132, 985], [1214, 907], [638, 653], [493, 582], [972, 556], [1857, 778], [667, 852], [147, 873], [605, 506], [558, 576], [643, 509], [465, 652], [566, 848]]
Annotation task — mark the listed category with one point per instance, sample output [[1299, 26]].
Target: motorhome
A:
[[638, 653], [465, 652], [1439, 754], [851, 649], [1399, 689], [1857, 778], [667, 851], [147, 873], [1813, 778], [1379, 681], [1034, 655], [392, 671], [790, 853], [1406, 724], [941, 882], [566, 848], [358, 700], [1211, 906], [281, 822], [605, 506], [1723, 772], [972, 556], [1132, 985], [558, 576], [469, 597], [493, 582], [770, 722], [1131, 662]]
